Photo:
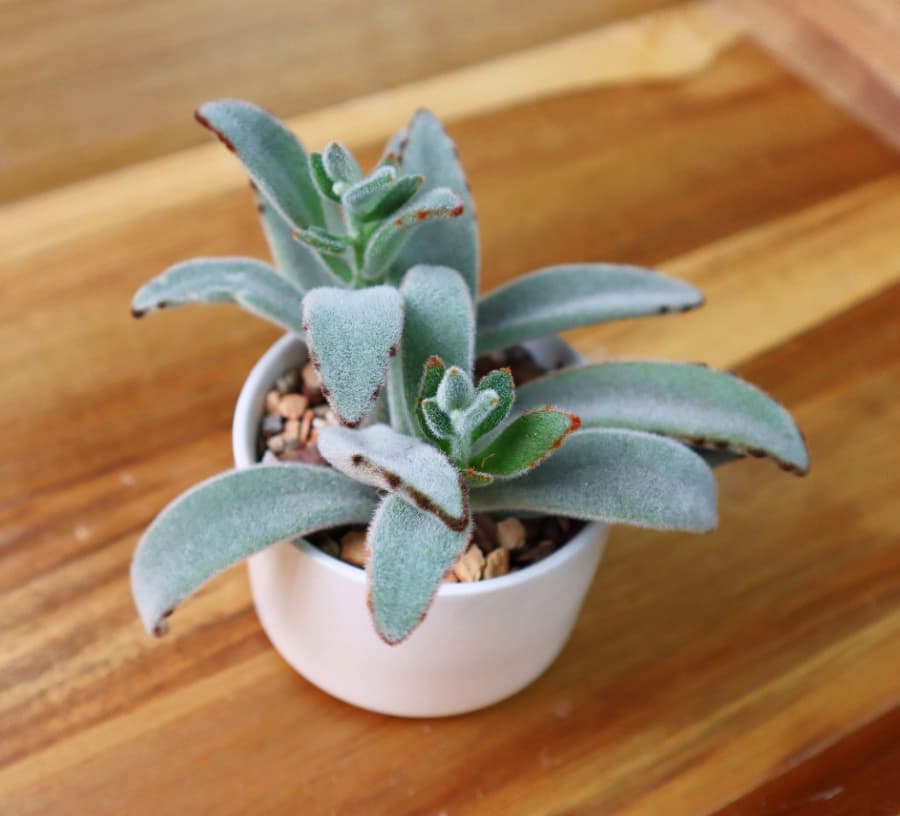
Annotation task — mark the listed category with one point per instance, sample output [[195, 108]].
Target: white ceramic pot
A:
[[481, 642]]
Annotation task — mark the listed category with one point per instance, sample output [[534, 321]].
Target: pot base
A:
[[481, 642]]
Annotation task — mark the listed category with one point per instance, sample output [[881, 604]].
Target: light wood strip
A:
[[767, 284]]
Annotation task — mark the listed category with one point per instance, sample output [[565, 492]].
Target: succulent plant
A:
[[383, 305]]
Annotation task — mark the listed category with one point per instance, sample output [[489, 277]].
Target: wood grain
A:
[[101, 84], [704, 671], [848, 48]]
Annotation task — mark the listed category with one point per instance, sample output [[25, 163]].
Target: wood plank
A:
[[856, 775], [702, 668], [71, 120], [847, 48], [660, 704], [658, 46], [66, 303]]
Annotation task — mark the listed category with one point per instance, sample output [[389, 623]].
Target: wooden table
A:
[[756, 670]]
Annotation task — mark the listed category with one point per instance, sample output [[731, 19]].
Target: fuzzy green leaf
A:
[[252, 284], [351, 336], [525, 443], [362, 197], [475, 478], [223, 520], [340, 165], [440, 320], [271, 154], [321, 240], [436, 421], [381, 457], [409, 554], [482, 406], [395, 196], [501, 383], [320, 177], [393, 149], [431, 378], [386, 242], [455, 391], [614, 475], [558, 298], [300, 264], [429, 151], [700, 406]]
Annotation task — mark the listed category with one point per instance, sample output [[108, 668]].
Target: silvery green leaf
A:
[[361, 198], [252, 284], [396, 196], [300, 264], [475, 478], [351, 336], [410, 552], [442, 430], [429, 151], [223, 520], [525, 443], [431, 378], [695, 404], [484, 403], [558, 298], [271, 154], [438, 424], [617, 476], [439, 320], [340, 165], [386, 242], [393, 149], [501, 383], [320, 177], [419, 472], [455, 391], [321, 240]]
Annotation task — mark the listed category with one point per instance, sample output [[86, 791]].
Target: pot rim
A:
[[260, 379]]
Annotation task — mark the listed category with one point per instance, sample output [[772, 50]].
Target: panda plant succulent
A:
[[379, 274]]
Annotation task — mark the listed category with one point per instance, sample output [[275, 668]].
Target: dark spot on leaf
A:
[[700, 441], [221, 136], [721, 444], [398, 222], [325, 392], [393, 350], [422, 215], [357, 459], [392, 479], [663, 310], [457, 210], [137, 312], [759, 453]]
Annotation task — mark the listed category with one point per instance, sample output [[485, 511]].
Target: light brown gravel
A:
[[497, 563], [511, 534], [353, 548], [292, 406], [470, 565], [272, 400]]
